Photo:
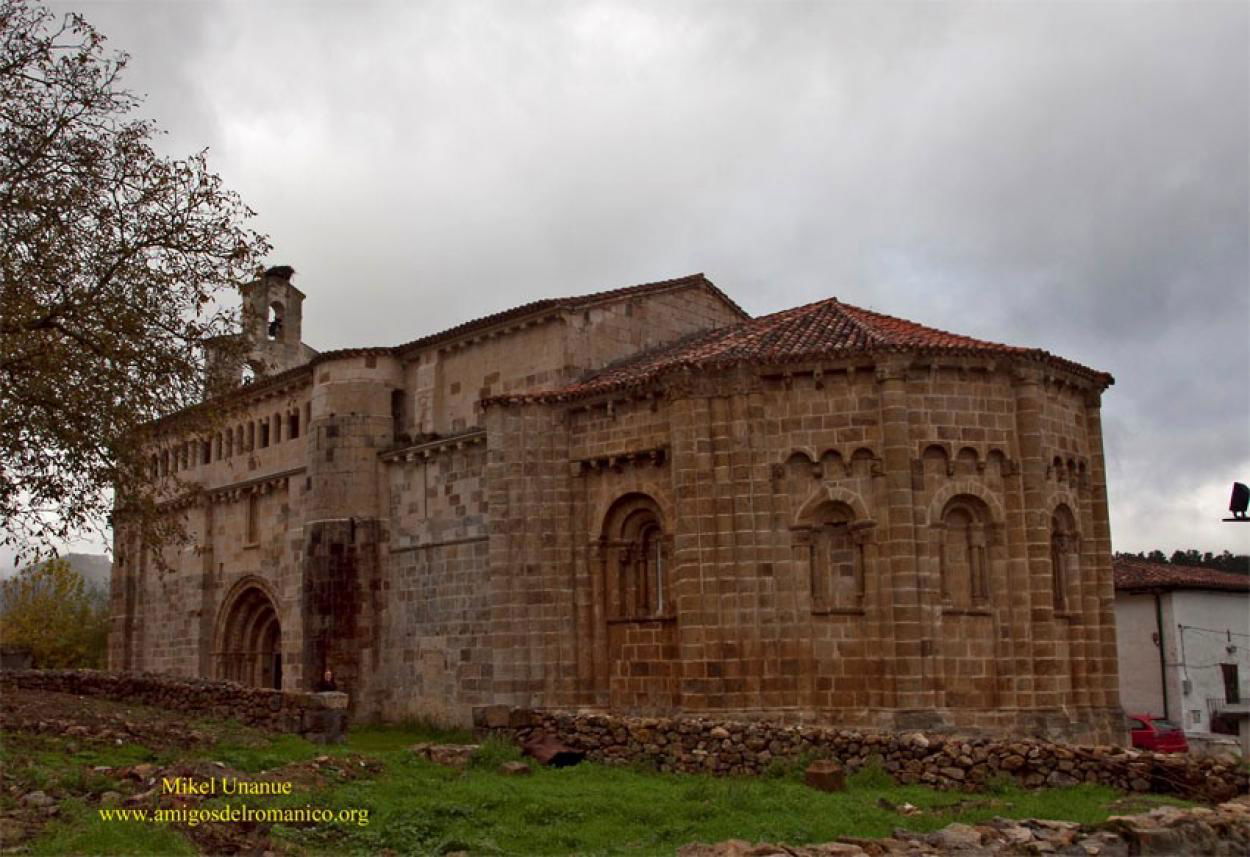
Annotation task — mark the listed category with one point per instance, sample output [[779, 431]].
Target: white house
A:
[[1183, 635]]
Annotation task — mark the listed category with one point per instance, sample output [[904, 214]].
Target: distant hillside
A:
[[96, 569]]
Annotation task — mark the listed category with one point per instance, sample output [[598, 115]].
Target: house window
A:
[[1232, 688], [293, 425]]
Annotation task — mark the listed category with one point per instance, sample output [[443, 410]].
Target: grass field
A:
[[416, 807]]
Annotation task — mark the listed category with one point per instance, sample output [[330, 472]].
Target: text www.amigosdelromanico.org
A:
[[236, 814]]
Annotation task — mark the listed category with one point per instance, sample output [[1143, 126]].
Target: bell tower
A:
[[270, 342], [273, 312]]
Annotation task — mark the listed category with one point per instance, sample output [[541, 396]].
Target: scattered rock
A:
[[110, 799], [141, 797], [546, 749], [825, 775], [12, 831], [37, 799], [447, 755], [515, 769], [956, 836], [1222, 832]]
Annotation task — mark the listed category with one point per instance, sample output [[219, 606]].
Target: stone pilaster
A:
[[208, 594], [1103, 668], [1044, 665], [913, 653]]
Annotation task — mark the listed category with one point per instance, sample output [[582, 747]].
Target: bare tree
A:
[[112, 260]]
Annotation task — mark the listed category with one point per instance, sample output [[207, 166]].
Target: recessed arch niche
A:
[[249, 637]]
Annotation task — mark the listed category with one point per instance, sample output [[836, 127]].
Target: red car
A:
[[1155, 733]]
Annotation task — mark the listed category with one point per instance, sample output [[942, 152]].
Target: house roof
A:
[[1133, 574], [825, 329]]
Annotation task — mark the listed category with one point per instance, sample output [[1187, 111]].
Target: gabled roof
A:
[[1134, 574], [571, 303], [478, 324], [821, 330]]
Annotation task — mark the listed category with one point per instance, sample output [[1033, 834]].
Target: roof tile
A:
[[1133, 573], [824, 329]]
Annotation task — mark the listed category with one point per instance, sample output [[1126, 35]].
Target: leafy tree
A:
[[49, 609], [112, 261], [1226, 561]]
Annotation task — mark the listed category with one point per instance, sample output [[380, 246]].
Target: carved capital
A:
[[1022, 376], [864, 532], [801, 536], [892, 371]]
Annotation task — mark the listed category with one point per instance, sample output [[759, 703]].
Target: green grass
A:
[[80, 830], [274, 753], [416, 807], [379, 739], [419, 808]]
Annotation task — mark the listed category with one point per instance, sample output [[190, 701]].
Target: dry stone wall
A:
[[943, 761], [317, 716]]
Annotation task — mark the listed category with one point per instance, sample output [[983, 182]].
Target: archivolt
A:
[[837, 494], [971, 487]]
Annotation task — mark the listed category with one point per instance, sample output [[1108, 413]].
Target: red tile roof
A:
[[1131, 573], [825, 329]]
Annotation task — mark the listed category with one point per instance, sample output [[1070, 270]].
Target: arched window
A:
[[964, 559], [274, 327], [835, 558], [636, 559], [1064, 556]]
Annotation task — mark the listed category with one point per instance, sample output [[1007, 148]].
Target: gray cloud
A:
[[1070, 176]]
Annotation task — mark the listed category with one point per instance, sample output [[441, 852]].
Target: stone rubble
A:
[[1222, 831], [695, 745], [447, 755], [317, 716]]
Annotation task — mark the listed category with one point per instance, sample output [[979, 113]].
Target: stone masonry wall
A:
[[920, 466], [943, 761], [318, 716], [436, 574]]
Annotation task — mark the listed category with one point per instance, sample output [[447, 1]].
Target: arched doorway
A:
[[249, 638]]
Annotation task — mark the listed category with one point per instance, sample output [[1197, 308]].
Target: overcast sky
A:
[[1067, 175]]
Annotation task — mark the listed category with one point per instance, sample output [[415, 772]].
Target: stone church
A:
[[645, 501]]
